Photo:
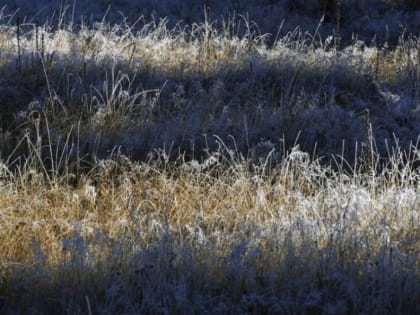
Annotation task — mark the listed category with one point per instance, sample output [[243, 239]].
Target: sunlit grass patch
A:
[[167, 171], [133, 226]]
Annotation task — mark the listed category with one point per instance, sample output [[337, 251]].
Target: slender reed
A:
[[19, 61]]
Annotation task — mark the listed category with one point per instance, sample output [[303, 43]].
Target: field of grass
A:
[[149, 169]]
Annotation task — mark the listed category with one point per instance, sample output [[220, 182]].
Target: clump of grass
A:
[[118, 81], [113, 200], [164, 236]]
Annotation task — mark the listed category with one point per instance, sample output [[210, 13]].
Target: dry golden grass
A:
[[115, 200], [236, 223], [234, 230], [391, 67]]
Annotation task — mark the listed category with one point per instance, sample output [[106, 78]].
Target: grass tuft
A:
[[166, 170]]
